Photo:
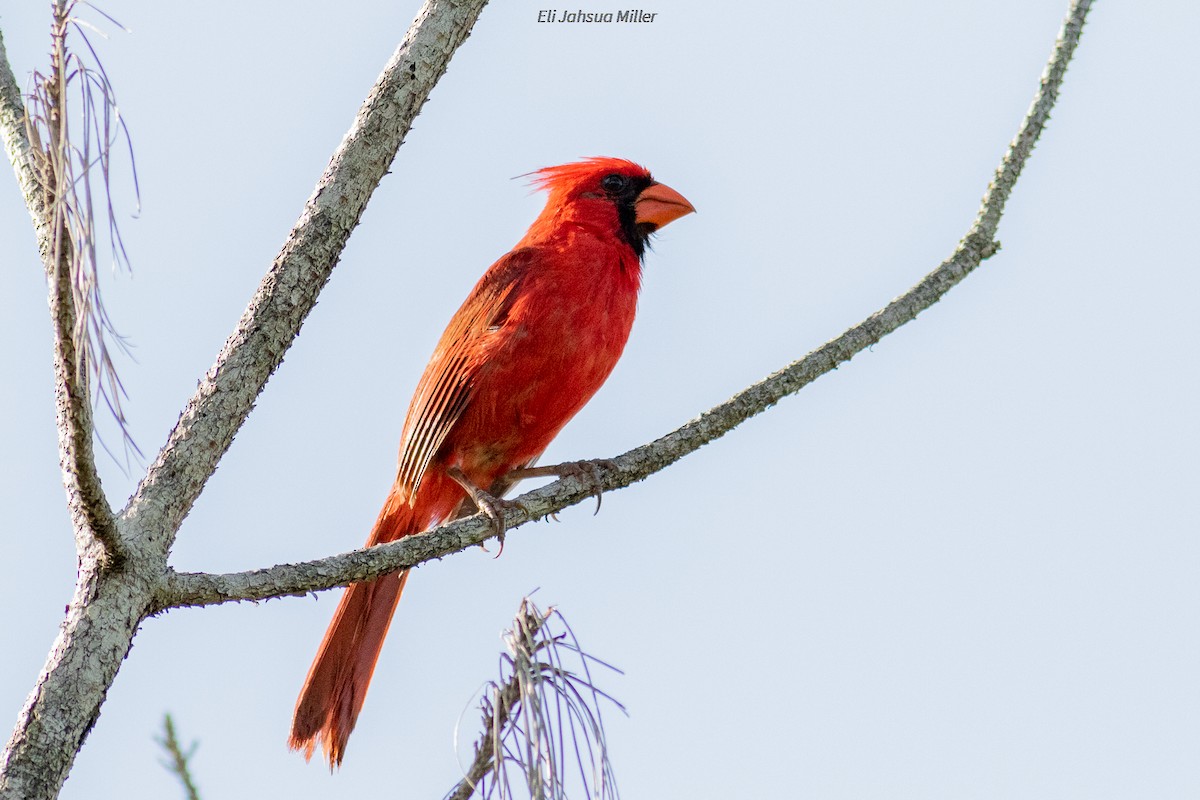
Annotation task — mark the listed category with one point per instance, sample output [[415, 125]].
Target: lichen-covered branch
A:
[[289, 290], [60, 711], [182, 589], [18, 148], [113, 596], [91, 516]]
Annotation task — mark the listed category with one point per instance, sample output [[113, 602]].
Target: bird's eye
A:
[[613, 184]]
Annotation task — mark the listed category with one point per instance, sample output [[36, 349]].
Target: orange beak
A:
[[659, 204]]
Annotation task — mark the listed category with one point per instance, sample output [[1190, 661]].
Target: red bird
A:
[[535, 339]]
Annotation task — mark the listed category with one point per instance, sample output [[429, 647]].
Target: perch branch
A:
[[191, 589]]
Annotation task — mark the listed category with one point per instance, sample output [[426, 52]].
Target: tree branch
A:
[[18, 148], [92, 517], [92, 643], [177, 758], [289, 290], [198, 589], [497, 711], [546, 708], [483, 763], [109, 605], [46, 180]]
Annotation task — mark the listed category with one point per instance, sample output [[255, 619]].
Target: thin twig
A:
[[177, 759], [78, 90], [53, 171], [195, 589], [496, 710], [539, 708]]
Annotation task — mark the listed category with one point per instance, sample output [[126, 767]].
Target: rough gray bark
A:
[[114, 595], [289, 290], [17, 147]]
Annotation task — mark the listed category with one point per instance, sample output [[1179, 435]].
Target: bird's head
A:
[[606, 186]]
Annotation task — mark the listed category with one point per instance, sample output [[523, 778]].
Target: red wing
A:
[[446, 388]]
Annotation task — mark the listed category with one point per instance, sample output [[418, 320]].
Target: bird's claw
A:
[[488, 504], [494, 509], [583, 471], [590, 471]]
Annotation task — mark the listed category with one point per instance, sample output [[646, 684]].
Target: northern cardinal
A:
[[531, 344]]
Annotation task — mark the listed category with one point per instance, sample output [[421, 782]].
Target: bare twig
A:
[[541, 707], [496, 707], [292, 579], [66, 156], [53, 166], [177, 760]]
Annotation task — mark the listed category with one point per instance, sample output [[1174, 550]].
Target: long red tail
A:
[[337, 681]]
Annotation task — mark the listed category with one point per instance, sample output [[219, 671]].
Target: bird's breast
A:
[[559, 342]]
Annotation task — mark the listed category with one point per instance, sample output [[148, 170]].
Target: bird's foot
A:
[[583, 471], [491, 506]]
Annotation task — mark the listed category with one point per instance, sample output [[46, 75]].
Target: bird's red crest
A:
[[578, 174]]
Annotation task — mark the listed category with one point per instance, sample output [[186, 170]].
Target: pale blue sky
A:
[[963, 565]]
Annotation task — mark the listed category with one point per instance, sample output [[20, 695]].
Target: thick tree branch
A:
[[289, 290], [109, 604], [194, 589], [92, 642]]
